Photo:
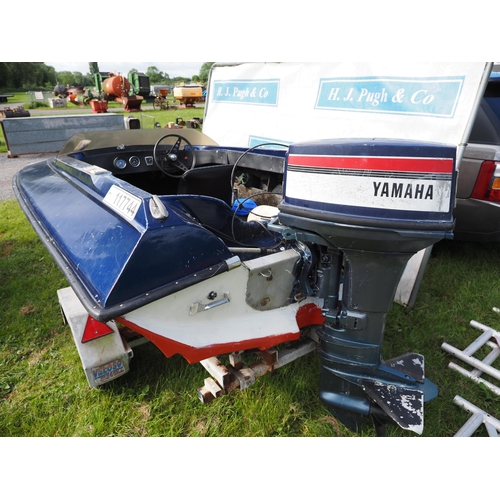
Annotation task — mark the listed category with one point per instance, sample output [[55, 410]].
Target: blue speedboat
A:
[[208, 250]]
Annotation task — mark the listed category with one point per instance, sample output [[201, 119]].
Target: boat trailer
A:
[[108, 356]]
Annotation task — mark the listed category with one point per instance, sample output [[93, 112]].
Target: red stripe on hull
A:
[[307, 315], [420, 165]]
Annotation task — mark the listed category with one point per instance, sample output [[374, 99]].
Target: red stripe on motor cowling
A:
[[306, 315], [422, 165]]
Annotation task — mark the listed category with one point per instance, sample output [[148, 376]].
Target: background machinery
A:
[[112, 87]]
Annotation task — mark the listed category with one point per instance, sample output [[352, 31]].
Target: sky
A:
[[173, 69], [256, 31]]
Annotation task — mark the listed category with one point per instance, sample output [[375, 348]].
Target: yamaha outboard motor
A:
[[362, 209]]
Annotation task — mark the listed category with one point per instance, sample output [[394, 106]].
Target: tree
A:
[[205, 71], [88, 80], [156, 76], [179, 80], [19, 75], [4, 74], [65, 78], [93, 68], [26, 75], [33, 75], [50, 76], [78, 78]]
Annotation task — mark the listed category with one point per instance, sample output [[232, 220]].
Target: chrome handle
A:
[[198, 307]]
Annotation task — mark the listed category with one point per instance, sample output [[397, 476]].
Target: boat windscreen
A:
[[97, 140]]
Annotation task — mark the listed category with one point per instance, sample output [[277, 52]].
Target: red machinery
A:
[[117, 88]]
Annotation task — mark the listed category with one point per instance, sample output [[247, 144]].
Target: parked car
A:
[[478, 190]]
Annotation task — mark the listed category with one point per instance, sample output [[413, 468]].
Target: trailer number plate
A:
[[109, 371], [123, 202]]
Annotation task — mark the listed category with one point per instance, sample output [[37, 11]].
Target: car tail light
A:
[[487, 185]]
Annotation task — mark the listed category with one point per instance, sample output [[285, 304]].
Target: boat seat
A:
[[214, 180], [217, 217]]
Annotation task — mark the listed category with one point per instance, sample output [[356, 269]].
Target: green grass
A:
[[149, 117], [18, 98], [44, 392], [460, 285]]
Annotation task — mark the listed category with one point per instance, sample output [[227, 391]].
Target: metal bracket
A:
[[352, 320]]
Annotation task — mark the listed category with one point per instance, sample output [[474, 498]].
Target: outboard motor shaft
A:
[[366, 207]]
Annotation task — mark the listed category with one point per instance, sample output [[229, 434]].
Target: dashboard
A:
[[122, 161], [133, 162]]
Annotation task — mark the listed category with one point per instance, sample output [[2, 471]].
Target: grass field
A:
[[44, 392]]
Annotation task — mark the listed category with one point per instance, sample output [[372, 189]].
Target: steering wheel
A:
[[171, 159]]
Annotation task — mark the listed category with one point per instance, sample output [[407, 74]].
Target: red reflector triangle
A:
[[95, 329]]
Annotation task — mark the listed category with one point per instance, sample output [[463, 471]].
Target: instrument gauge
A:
[[134, 161], [120, 162]]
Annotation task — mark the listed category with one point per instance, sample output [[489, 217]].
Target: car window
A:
[[486, 129]]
